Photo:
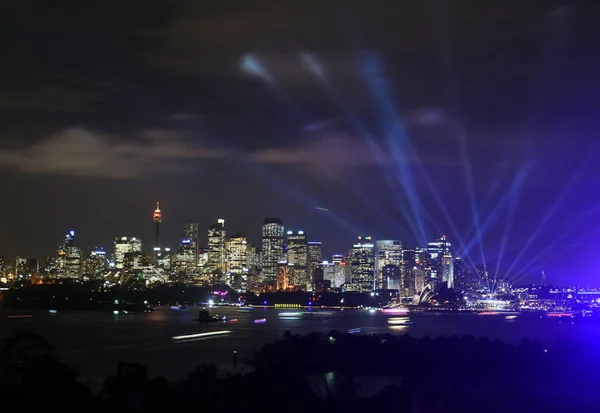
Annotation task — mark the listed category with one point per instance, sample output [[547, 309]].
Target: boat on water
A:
[[205, 317]]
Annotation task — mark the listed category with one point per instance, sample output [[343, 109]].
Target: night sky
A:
[[407, 120]]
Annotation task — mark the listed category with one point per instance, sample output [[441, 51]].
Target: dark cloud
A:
[[79, 152]]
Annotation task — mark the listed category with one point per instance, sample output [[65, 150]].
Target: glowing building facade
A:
[[297, 258], [387, 252], [283, 277], [252, 257], [328, 273], [447, 268], [216, 247], [315, 258], [69, 259], [190, 232], [95, 263], [273, 251], [362, 261], [483, 277], [392, 278], [185, 261], [237, 260], [340, 269], [125, 245], [437, 264], [413, 271]]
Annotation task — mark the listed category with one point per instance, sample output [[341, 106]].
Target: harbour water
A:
[[94, 342]]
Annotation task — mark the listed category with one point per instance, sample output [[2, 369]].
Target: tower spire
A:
[[157, 219]]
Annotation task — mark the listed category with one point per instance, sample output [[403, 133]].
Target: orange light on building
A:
[[157, 216]]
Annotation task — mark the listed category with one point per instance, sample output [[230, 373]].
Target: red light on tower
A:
[[157, 220], [157, 216]]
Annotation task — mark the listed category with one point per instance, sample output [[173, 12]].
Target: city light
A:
[[200, 335], [399, 320], [392, 274], [395, 311]]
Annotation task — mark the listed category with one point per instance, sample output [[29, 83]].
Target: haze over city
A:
[[462, 119]]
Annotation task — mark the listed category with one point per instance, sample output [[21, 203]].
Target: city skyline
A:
[[294, 249], [399, 120]]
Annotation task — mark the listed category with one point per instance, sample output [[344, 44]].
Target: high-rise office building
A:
[[413, 271], [203, 259], [252, 257], [165, 259], [283, 277], [237, 261], [253, 254], [133, 263], [68, 257], [315, 258], [387, 252], [319, 280], [436, 266], [190, 232], [26, 267], [216, 247], [125, 245], [185, 261], [297, 258], [362, 261], [483, 277], [95, 263], [340, 270], [392, 279], [447, 269], [459, 274], [273, 251], [328, 268]]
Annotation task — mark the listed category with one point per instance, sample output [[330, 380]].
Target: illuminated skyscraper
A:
[[362, 261], [340, 270], [125, 245], [273, 251], [252, 257], [328, 272], [157, 219], [460, 280], [164, 261], [319, 280], [184, 262], [237, 258], [216, 247], [392, 279], [283, 276], [437, 266], [95, 264], [447, 268], [68, 257], [190, 232], [483, 277], [297, 258], [413, 271], [26, 267], [315, 258], [387, 252]]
